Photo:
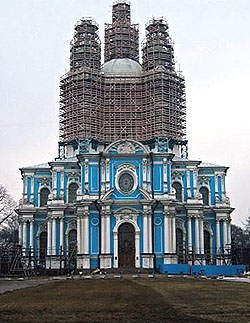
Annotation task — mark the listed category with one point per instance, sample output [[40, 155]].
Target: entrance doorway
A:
[[126, 245]]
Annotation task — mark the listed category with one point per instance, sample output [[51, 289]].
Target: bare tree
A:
[[8, 218]]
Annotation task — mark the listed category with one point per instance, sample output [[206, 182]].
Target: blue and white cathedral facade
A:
[[122, 192]]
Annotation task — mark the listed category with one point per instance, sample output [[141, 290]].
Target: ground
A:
[[127, 299]]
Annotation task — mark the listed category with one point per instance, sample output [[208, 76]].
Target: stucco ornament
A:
[[126, 148], [45, 181]]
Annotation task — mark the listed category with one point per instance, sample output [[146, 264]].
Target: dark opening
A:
[[43, 246], [126, 245], [178, 191], [207, 246], [205, 195], [72, 248], [44, 195], [72, 192], [179, 246]]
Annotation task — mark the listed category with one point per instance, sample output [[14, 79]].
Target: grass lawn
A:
[[127, 300]]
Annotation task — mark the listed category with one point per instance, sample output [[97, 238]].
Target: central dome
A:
[[121, 66]]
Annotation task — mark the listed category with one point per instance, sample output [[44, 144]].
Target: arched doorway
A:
[[43, 247], [207, 247], [126, 245], [179, 246], [72, 248]]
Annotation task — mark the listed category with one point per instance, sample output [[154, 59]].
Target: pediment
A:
[[126, 146]]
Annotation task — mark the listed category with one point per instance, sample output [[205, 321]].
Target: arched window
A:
[[205, 195], [178, 191], [73, 187], [44, 195], [43, 246], [179, 246], [207, 251]]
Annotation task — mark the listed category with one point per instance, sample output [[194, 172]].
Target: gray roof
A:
[[121, 66], [43, 165], [205, 164]]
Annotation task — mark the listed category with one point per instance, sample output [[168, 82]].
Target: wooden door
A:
[[126, 245]]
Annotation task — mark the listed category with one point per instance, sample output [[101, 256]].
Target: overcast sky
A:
[[212, 46]]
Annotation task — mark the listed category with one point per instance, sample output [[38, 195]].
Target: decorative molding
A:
[[74, 176], [177, 175], [207, 227], [204, 180], [45, 181], [72, 225], [41, 228], [126, 147], [126, 214]]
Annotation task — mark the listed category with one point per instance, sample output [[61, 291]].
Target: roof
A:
[[121, 66], [210, 165]]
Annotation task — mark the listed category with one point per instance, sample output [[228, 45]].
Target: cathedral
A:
[[122, 192]]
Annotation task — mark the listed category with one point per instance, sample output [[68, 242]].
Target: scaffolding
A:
[[121, 37], [139, 106]]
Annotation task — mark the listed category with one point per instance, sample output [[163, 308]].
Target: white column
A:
[[150, 233], [103, 246], [49, 238], [86, 235], [107, 174], [170, 225], [102, 176], [137, 250], [20, 233], [188, 184], [78, 223], [216, 187], [32, 189], [54, 236], [107, 233], [25, 188], [201, 237], [225, 233], [165, 175], [174, 234], [24, 234], [32, 234], [145, 233], [82, 235], [144, 173], [195, 177], [54, 182], [190, 247], [62, 184], [61, 234], [197, 236], [166, 234], [218, 235], [115, 250], [87, 174], [229, 233]]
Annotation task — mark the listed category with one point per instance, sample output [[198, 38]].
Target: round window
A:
[[126, 182]]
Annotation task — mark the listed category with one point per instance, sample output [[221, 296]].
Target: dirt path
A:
[[11, 285]]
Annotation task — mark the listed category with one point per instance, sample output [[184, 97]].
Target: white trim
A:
[[123, 169], [126, 215]]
